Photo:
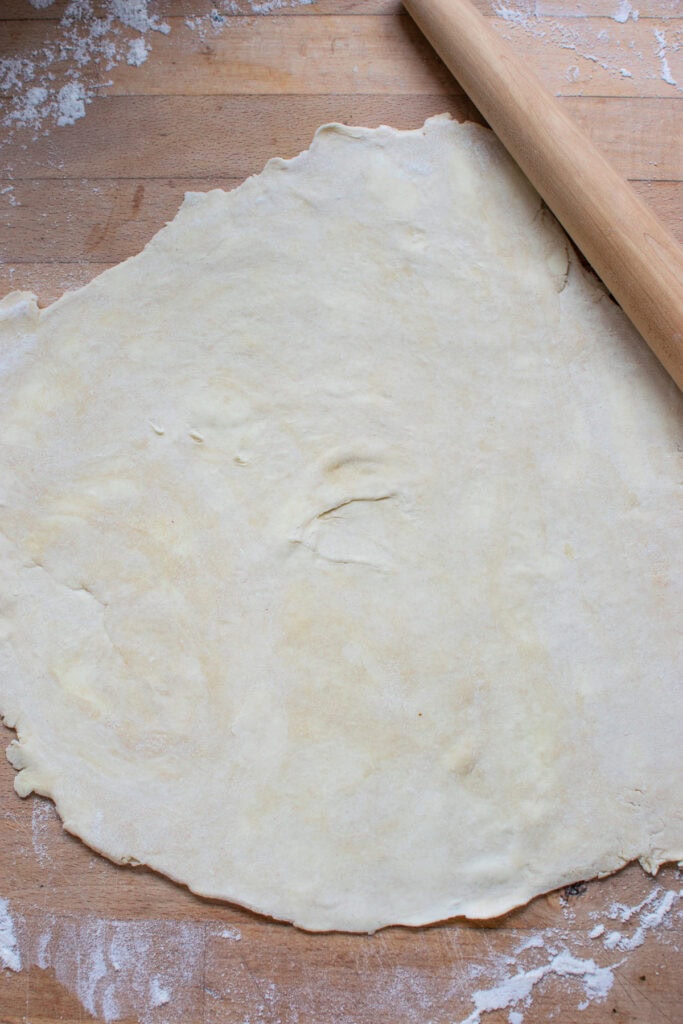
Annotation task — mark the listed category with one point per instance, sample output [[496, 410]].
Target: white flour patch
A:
[[534, 941], [42, 813], [119, 969], [622, 912], [659, 905], [53, 84], [611, 940], [10, 957], [135, 14], [70, 103], [8, 191], [665, 70], [233, 934], [159, 995], [624, 11], [137, 52], [523, 15], [517, 988]]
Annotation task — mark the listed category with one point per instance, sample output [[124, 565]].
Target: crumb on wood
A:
[[575, 889]]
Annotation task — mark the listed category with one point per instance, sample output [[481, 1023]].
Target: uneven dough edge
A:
[[22, 305]]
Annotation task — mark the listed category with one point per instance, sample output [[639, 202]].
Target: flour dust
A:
[[576, 967], [625, 50], [10, 957], [155, 971], [52, 84]]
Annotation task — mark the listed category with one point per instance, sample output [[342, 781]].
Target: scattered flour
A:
[[8, 191], [517, 988], [622, 912], [131, 969], [137, 52], [660, 903], [524, 15], [565, 33], [583, 35], [43, 810], [70, 103], [663, 59], [612, 940], [220, 14], [259, 6], [119, 969], [514, 990], [9, 950], [534, 941], [158, 995], [135, 14], [53, 84]]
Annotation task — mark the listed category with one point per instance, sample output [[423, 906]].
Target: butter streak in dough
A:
[[341, 557]]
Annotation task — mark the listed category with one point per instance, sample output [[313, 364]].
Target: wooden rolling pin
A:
[[636, 257]]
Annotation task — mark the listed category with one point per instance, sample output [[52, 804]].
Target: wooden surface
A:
[[206, 109]]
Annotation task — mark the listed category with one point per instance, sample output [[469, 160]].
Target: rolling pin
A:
[[638, 260]]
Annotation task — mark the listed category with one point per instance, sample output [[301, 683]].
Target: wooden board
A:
[[207, 108]]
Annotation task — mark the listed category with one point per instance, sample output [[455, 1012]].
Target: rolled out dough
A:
[[341, 546]]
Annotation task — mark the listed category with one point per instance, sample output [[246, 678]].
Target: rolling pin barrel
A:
[[638, 260]]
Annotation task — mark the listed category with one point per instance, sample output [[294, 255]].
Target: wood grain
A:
[[371, 54], [81, 198], [233, 136]]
